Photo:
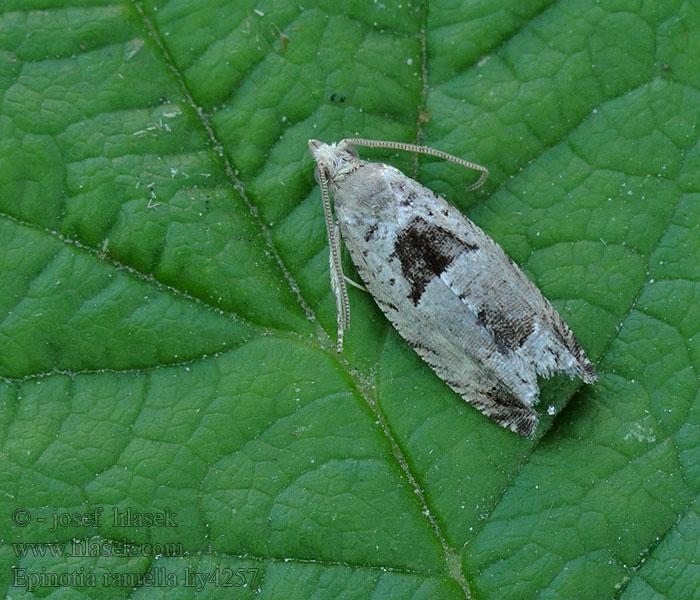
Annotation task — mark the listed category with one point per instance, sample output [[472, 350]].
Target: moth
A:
[[451, 292]]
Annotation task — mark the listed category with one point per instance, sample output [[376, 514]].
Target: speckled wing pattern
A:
[[451, 291]]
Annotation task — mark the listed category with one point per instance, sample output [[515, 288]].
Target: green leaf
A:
[[175, 420]]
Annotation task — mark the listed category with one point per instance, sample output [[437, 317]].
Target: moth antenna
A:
[[422, 150], [355, 284], [342, 304]]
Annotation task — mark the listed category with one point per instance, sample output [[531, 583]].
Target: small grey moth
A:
[[450, 291]]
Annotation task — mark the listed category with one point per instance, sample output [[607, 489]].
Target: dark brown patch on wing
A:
[[508, 411], [371, 230], [425, 251], [567, 338], [509, 333]]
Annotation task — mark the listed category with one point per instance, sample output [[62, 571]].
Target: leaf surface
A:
[[175, 421]]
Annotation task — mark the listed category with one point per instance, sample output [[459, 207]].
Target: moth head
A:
[[337, 160]]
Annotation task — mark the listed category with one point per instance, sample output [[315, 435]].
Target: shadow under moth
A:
[[451, 292]]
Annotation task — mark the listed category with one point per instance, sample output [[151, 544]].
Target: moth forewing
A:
[[450, 291]]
